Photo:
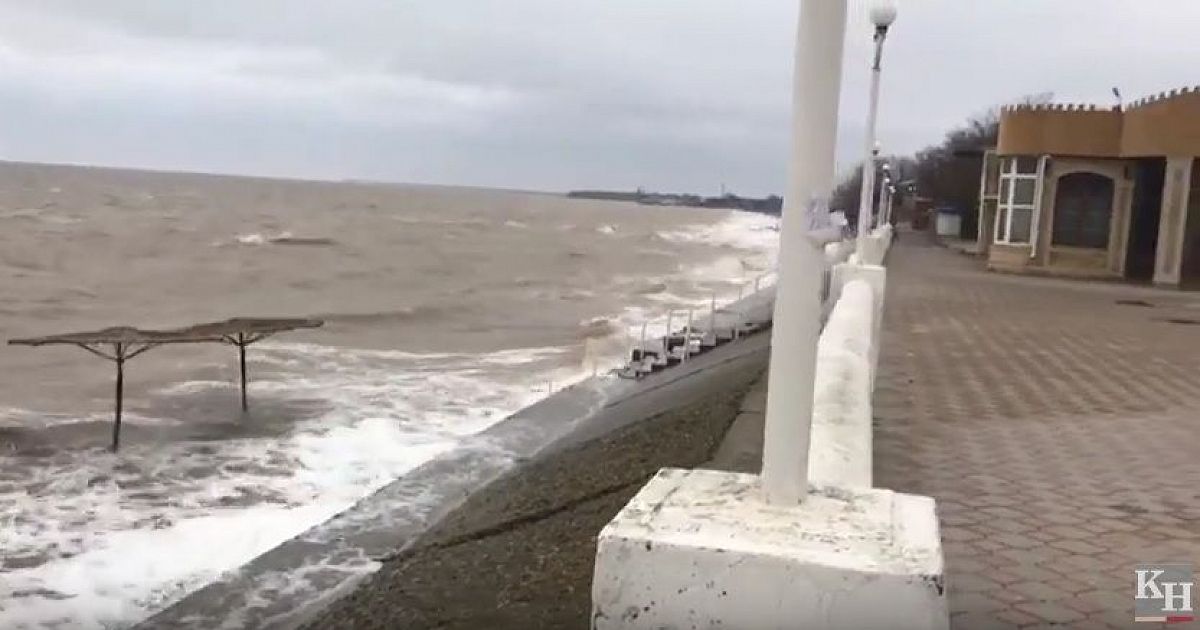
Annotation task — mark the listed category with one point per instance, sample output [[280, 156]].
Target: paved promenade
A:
[[1057, 428]]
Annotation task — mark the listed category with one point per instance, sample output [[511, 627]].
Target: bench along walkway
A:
[[1056, 424]]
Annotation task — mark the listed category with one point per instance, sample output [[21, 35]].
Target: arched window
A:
[[1083, 210]]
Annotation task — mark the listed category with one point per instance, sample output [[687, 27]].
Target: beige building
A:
[[1080, 191]]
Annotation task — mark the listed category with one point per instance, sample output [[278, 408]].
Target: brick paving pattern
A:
[[1057, 428]]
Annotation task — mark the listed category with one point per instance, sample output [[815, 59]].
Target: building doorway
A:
[[1143, 224], [1189, 275]]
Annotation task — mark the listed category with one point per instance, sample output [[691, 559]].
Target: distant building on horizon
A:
[[1079, 190]]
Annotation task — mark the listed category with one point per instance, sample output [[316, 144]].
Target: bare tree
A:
[[946, 173]]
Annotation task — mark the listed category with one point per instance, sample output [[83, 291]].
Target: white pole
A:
[[712, 316], [816, 86], [687, 337], [868, 179], [883, 184]]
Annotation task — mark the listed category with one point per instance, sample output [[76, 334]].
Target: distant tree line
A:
[[946, 173]]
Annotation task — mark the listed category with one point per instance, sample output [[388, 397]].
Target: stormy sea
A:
[[445, 310]]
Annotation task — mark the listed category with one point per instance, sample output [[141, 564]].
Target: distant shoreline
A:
[[771, 204]]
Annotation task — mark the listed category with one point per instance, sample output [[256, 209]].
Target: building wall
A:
[[1190, 265], [1106, 141], [1053, 259], [1056, 130], [1168, 264], [1162, 125], [1165, 125], [1002, 257]]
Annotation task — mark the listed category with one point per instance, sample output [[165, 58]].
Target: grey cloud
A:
[[668, 94]]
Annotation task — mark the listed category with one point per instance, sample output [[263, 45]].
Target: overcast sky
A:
[[539, 94]]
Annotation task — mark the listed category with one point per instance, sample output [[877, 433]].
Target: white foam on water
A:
[[749, 231], [252, 239], [754, 241], [128, 534], [132, 572], [39, 214], [124, 543]]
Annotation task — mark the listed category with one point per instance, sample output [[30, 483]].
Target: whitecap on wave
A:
[[104, 540]]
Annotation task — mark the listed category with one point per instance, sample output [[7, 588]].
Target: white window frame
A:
[[1007, 203], [1036, 223], [989, 156]]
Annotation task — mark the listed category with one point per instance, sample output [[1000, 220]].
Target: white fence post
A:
[[687, 337]]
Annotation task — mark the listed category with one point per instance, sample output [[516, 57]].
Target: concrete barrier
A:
[[876, 277], [838, 252], [703, 549], [841, 430], [876, 246]]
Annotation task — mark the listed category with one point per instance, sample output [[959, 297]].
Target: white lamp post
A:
[[883, 15], [891, 198], [816, 85], [883, 186]]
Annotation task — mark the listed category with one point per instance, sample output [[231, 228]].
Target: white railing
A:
[[679, 334], [688, 332]]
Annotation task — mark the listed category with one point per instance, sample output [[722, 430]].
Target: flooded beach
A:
[[445, 308]]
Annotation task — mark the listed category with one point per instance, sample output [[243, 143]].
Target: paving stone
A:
[[1040, 414], [971, 582], [1039, 591], [1065, 532], [1005, 595], [1017, 542], [1009, 525], [1017, 617], [976, 602], [1050, 612], [1085, 605], [980, 621], [1077, 547]]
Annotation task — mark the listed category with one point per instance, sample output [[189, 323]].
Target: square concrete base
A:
[[700, 549]]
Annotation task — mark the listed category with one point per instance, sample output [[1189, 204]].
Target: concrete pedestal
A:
[[701, 549]]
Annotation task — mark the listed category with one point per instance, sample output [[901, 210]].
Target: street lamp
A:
[[883, 186], [883, 15]]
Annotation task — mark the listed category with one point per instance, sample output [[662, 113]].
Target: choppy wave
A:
[[121, 535], [409, 314], [41, 215], [743, 230], [92, 539], [281, 238]]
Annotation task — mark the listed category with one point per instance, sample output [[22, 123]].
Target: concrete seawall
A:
[[519, 553], [565, 433]]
